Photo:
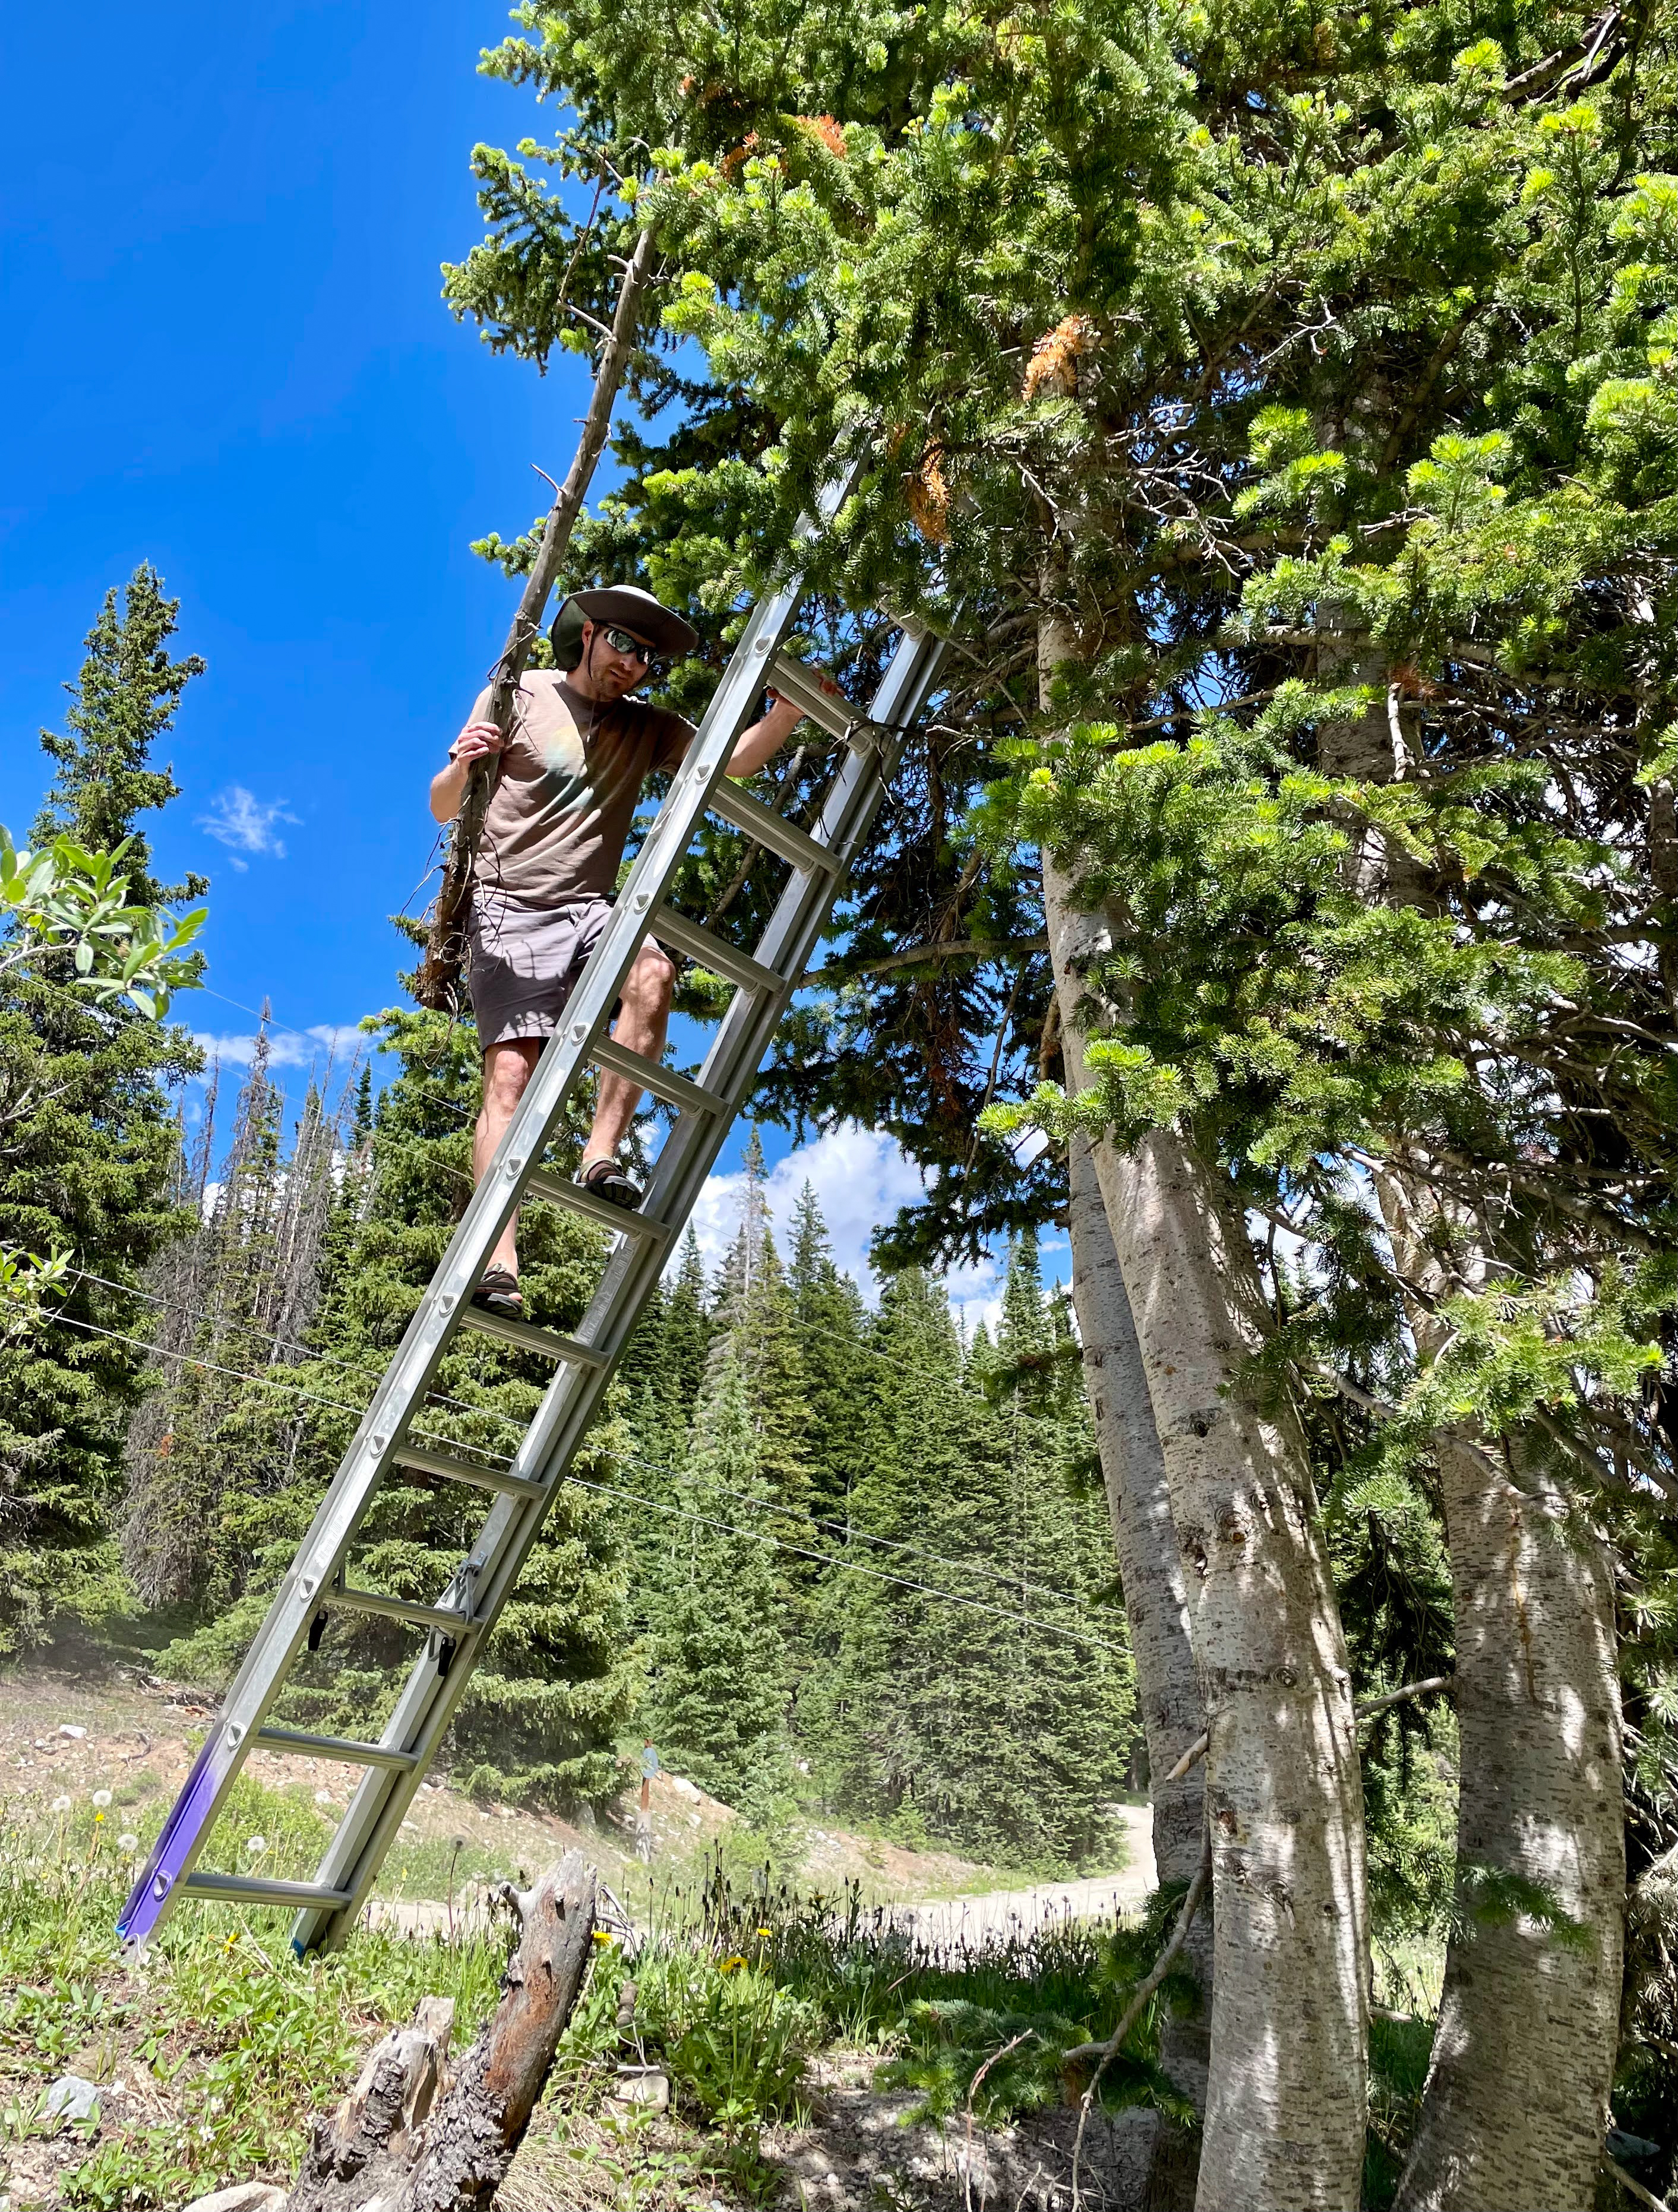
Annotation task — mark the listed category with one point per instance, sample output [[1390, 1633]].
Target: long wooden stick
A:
[[445, 950], [1103, 2053]]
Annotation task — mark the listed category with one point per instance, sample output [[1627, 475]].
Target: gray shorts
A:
[[525, 960]]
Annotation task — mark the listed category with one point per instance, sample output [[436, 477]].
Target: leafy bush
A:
[[734, 2040]]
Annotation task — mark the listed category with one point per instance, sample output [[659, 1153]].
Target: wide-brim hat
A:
[[667, 633]]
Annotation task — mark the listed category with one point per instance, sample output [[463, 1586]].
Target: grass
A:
[[225, 2045]]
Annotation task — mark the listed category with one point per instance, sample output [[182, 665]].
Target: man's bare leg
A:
[[506, 1069], [642, 1020]]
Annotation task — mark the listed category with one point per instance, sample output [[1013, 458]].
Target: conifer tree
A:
[[238, 1293], [688, 1325], [539, 1719], [716, 1700], [828, 1319], [89, 1155], [125, 699], [962, 1721]]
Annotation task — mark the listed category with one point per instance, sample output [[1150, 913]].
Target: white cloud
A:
[[241, 821], [860, 1178], [337, 1042]]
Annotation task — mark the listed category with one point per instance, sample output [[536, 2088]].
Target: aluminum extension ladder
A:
[[466, 1610]]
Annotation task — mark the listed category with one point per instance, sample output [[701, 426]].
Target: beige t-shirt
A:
[[566, 785]]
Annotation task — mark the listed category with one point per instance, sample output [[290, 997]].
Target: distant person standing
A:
[[567, 783]]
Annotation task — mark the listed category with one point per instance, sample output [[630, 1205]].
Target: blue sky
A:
[[227, 354]]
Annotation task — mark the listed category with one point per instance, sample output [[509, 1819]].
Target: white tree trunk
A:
[[1168, 1689], [1286, 2099], [1517, 2101], [1288, 2092]]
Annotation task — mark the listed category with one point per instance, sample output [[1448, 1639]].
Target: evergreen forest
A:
[[1273, 409]]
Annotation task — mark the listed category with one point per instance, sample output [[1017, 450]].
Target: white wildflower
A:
[[61, 1804], [102, 1798], [128, 1843], [256, 1845]]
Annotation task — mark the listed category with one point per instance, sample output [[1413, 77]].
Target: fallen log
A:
[[411, 2136]]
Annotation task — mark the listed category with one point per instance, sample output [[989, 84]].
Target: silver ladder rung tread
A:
[[546, 1343], [559, 1190], [672, 928], [663, 1082], [449, 1619], [795, 680], [298, 1742], [252, 1889], [769, 829], [448, 1468]]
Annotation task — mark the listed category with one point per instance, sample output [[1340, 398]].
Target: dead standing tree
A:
[[411, 2136]]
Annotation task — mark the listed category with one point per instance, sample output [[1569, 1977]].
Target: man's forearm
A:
[[763, 741], [447, 787]]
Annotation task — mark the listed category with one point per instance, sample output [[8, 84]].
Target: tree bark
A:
[[1157, 1617], [408, 2138], [1517, 2099], [1286, 2100], [1287, 2097]]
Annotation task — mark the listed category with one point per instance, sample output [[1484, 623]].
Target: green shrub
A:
[[734, 2040]]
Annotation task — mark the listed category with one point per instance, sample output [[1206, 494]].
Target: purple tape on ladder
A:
[[172, 1850]]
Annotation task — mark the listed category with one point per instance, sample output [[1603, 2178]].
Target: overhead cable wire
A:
[[510, 1420], [843, 1533], [826, 1558], [381, 1140]]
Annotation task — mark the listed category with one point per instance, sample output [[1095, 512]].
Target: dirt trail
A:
[[71, 1725], [958, 1920]]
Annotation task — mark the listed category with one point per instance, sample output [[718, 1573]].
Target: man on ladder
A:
[[566, 784]]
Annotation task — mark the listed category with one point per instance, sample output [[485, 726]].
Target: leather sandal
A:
[[607, 1179], [498, 1293]]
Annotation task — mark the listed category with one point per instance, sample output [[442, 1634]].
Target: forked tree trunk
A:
[[1517, 2099], [1156, 1605], [1286, 2099]]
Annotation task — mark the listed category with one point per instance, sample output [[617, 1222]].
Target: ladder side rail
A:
[[436, 1317], [485, 1580]]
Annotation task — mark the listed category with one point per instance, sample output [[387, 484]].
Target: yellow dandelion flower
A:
[[727, 1965]]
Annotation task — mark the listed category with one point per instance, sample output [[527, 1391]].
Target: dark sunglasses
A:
[[622, 640]]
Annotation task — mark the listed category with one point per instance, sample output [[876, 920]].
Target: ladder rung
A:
[[559, 1190], [250, 1889], [546, 1343], [450, 1470], [769, 829], [331, 1747], [447, 1618], [663, 1082], [799, 684], [672, 928]]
